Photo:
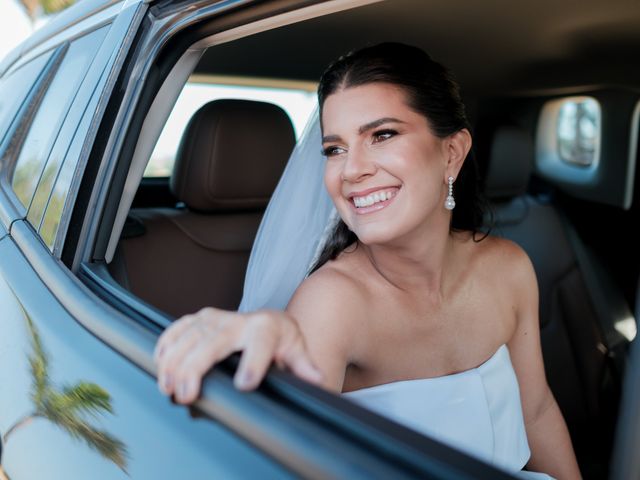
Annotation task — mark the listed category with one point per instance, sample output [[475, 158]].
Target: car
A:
[[104, 242]]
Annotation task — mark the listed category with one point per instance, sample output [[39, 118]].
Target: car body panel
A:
[[309, 431], [144, 433]]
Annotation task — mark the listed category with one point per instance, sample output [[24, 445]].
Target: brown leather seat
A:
[[229, 161]]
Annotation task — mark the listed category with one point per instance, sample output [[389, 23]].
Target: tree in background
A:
[[46, 7], [69, 407]]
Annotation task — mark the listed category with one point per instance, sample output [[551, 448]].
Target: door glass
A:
[[14, 88], [578, 131], [64, 182], [30, 166]]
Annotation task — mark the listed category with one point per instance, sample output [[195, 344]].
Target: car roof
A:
[[492, 45]]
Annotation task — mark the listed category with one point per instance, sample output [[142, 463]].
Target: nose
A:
[[358, 166]]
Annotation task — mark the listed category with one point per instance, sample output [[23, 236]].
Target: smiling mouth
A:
[[374, 201]]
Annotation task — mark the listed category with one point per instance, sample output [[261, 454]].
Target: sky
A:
[[15, 25]]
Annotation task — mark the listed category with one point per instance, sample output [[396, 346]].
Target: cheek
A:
[[332, 180], [333, 184]]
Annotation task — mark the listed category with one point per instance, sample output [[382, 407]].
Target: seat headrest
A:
[[231, 155], [510, 163]]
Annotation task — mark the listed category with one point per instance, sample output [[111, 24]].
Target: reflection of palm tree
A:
[[66, 408]]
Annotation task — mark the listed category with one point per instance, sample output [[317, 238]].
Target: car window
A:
[[30, 166], [578, 131], [297, 100], [15, 87], [51, 220]]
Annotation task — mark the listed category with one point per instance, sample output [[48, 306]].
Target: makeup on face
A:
[[383, 164]]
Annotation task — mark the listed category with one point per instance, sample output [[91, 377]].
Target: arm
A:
[[327, 311], [549, 441], [311, 338]]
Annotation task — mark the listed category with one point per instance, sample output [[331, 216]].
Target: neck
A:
[[420, 263]]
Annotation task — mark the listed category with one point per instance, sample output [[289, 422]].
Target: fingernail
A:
[[316, 374], [167, 382], [182, 391], [243, 379], [192, 386], [159, 352]]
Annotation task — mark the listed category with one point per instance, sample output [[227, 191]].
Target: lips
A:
[[372, 199]]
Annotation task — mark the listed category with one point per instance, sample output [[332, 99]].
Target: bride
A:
[[408, 309]]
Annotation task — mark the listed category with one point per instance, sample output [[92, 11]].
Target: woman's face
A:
[[386, 171]]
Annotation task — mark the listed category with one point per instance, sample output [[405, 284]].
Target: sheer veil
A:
[[296, 223]]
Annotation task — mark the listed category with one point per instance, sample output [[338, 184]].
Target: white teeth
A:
[[369, 200]]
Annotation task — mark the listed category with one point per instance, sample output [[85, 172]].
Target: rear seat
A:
[[229, 161], [578, 367]]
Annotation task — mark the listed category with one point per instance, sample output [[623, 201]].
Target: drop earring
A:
[[450, 203]]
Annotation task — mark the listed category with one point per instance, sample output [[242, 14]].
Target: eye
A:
[[382, 135], [332, 151]]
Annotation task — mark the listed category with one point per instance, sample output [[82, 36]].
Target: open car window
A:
[[296, 98]]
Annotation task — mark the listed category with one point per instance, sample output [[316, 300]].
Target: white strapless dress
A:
[[477, 411]]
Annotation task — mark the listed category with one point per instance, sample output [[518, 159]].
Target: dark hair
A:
[[432, 91]]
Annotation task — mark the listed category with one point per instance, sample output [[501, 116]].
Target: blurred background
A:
[[20, 18]]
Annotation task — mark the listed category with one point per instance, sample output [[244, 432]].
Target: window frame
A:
[[548, 155], [68, 124], [19, 127], [609, 179], [91, 104], [26, 102], [95, 17]]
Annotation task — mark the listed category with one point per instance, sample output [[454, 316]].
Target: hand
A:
[[190, 346]]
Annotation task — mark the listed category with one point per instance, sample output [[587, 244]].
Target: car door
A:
[[78, 395]]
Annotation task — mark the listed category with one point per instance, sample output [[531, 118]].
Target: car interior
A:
[[185, 238]]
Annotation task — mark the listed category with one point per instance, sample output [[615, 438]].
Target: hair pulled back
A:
[[431, 91]]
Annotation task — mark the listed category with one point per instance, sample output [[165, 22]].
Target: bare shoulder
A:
[[507, 260], [329, 308], [512, 273], [500, 275], [331, 287], [332, 278]]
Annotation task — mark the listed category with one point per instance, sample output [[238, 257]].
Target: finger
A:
[[171, 333], [173, 357], [207, 351], [176, 329], [259, 350]]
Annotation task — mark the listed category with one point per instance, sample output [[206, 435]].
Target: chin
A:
[[377, 236]]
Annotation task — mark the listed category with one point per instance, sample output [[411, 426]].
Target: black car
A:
[[103, 242]]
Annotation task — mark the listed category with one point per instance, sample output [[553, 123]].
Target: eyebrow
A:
[[364, 128]]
